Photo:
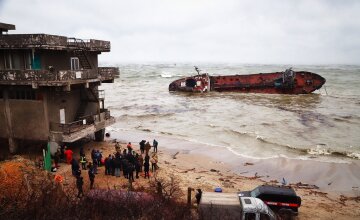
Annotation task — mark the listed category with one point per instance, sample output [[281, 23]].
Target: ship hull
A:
[[301, 82]]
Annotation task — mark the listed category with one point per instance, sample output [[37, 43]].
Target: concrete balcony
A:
[[57, 78], [51, 42], [87, 125], [109, 72]]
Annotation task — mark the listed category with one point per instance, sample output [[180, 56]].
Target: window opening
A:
[[74, 63]]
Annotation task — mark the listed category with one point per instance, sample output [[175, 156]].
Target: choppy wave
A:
[[318, 150], [146, 116]]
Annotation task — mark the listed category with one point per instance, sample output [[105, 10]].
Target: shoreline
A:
[[334, 178], [191, 169], [201, 171]]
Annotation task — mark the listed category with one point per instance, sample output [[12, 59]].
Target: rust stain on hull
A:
[[287, 82]]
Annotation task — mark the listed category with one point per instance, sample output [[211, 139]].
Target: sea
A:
[[322, 126]]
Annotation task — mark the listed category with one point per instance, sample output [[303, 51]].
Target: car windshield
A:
[[255, 193]]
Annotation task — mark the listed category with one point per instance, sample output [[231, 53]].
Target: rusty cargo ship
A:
[[287, 82]]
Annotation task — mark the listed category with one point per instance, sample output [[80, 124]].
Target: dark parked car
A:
[[278, 198]]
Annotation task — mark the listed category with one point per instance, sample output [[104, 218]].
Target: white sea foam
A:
[[318, 150], [166, 75], [354, 155]]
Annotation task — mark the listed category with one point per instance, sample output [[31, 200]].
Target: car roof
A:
[[278, 190]]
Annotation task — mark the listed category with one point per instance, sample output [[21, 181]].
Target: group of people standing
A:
[[125, 160], [91, 167], [130, 161]]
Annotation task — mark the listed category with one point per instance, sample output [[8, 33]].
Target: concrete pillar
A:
[[46, 113], [13, 147]]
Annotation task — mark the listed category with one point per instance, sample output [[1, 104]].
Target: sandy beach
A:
[[209, 169]]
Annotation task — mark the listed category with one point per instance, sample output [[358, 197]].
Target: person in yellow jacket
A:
[[83, 162], [154, 160]]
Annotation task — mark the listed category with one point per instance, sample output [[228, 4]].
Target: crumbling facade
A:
[[49, 88]]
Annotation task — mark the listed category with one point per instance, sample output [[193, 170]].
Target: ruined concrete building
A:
[[49, 88]]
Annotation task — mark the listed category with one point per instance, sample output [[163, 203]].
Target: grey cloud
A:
[[259, 31]]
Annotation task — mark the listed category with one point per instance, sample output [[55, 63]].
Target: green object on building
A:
[[36, 62], [47, 158]]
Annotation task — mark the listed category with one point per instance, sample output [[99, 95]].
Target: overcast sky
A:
[[234, 31]]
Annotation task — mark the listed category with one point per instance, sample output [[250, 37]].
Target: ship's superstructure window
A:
[[74, 63]]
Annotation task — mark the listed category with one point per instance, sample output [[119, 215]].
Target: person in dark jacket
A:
[[130, 157], [198, 196], [142, 146], [147, 158], [112, 165], [117, 165], [137, 166], [98, 157], [146, 169], [91, 175], [155, 144], [79, 185], [118, 155], [74, 166], [131, 169], [57, 158], [125, 165], [93, 156], [94, 159], [108, 165]]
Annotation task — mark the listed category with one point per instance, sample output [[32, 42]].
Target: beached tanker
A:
[[287, 82]]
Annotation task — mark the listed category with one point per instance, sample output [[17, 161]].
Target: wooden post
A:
[[189, 196]]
